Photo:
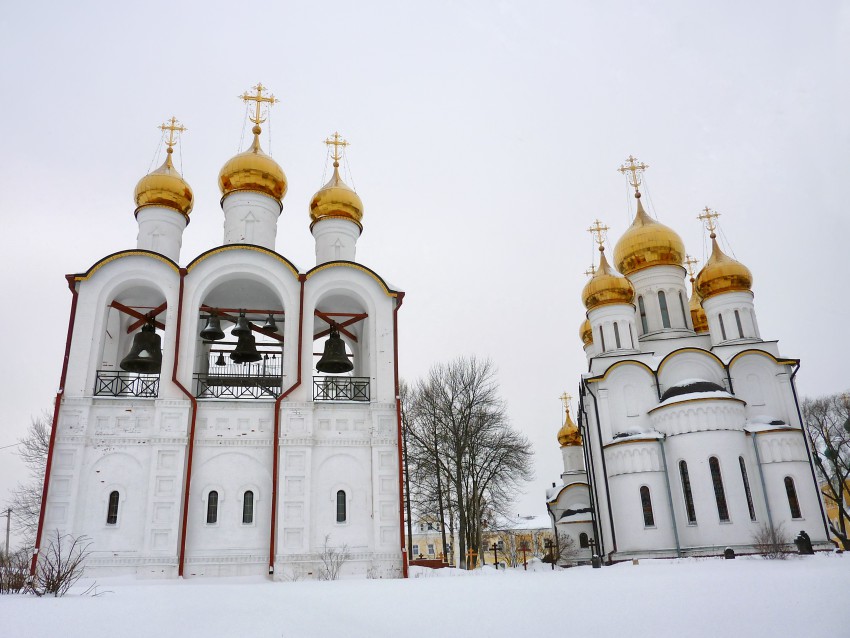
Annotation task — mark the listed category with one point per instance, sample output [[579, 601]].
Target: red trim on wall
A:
[[400, 299], [276, 441], [55, 426]]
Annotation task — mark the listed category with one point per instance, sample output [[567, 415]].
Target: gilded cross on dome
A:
[[590, 271], [258, 100], [598, 230], [565, 399], [336, 141], [636, 168], [709, 218], [172, 126], [690, 262]]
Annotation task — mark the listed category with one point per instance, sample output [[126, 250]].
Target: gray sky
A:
[[485, 140]]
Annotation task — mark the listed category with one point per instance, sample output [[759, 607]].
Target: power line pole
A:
[[8, 520]]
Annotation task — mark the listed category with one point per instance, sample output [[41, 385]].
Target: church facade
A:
[[232, 415], [689, 438]]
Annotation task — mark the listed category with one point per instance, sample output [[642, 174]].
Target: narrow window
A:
[[722, 327], [415, 551], [501, 546], [631, 337], [686, 491], [665, 315], [738, 321], [212, 508], [642, 309], [340, 507], [617, 335], [248, 508], [719, 493], [646, 504], [747, 488], [684, 313], [602, 338], [431, 549], [793, 503], [112, 510], [582, 540]]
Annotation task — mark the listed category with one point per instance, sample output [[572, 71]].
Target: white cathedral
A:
[[689, 435], [233, 414]]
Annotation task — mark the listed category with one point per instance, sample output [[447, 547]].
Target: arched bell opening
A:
[[131, 357], [239, 354], [340, 365]]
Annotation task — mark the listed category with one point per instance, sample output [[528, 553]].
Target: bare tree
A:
[[827, 420], [565, 550], [772, 541], [332, 559], [14, 572], [465, 458], [26, 497], [60, 565]]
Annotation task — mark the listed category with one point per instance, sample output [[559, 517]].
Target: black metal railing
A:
[[237, 386], [340, 388], [116, 383]]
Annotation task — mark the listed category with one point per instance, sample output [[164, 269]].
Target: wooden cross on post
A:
[[524, 549], [471, 554]]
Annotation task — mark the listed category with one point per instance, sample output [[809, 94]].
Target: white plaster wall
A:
[[161, 231], [671, 279], [336, 239], [699, 415], [624, 398], [604, 318], [250, 218], [726, 304], [632, 534], [691, 363]]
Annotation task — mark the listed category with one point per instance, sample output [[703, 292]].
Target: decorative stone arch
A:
[[686, 363]]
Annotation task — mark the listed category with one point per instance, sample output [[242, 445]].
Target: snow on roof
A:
[[552, 492], [519, 522], [717, 394], [635, 433]]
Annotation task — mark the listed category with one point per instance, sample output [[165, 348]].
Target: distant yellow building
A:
[[832, 512]]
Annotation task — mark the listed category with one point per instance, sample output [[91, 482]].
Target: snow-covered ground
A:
[[686, 598]]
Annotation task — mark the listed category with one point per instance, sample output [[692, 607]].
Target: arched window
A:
[[684, 312], [631, 337], [719, 493], [747, 488], [340, 507], [212, 507], [646, 505], [722, 327], [248, 508], [793, 503], [665, 315], [602, 338], [112, 510], [738, 321], [686, 492], [583, 540], [642, 309], [617, 335]]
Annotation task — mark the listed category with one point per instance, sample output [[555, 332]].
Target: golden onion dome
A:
[[164, 187], [606, 286], [586, 332], [698, 317], [569, 434], [722, 274], [253, 170], [336, 199], [647, 243]]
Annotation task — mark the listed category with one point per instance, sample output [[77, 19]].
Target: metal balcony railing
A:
[[340, 388], [237, 386], [117, 383]]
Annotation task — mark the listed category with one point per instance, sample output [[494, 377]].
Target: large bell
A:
[[246, 350], [270, 324], [145, 357], [334, 360], [212, 331], [241, 328]]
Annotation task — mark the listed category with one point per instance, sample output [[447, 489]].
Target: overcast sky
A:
[[485, 140]]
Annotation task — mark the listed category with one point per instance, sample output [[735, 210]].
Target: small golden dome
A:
[[647, 243], [336, 199], [253, 170], [606, 286], [586, 332], [722, 274], [698, 317], [164, 187], [569, 434]]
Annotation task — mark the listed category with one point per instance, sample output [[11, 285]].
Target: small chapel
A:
[[231, 414], [688, 438]]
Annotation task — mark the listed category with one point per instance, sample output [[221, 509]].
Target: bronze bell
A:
[[145, 357], [241, 328], [334, 360], [220, 361], [212, 331], [246, 350], [270, 324]]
